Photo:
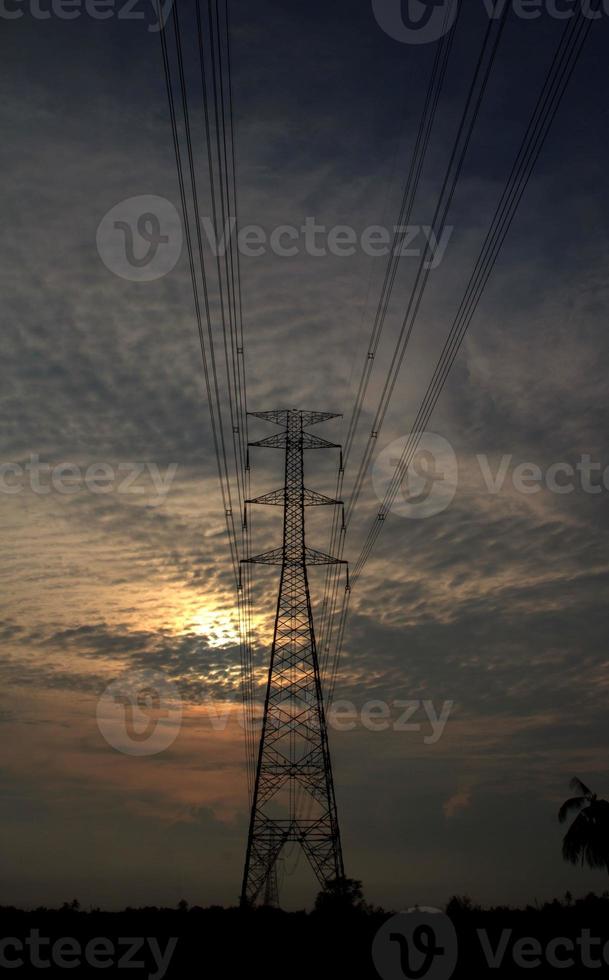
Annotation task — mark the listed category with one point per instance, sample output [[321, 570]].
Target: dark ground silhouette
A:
[[226, 943]]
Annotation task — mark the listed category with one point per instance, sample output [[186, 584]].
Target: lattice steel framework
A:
[[294, 797]]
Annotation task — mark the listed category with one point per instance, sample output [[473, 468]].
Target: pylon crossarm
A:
[[315, 442], [274, 557], [277, 557], [314, 557], [281, 416], [278, 417], [271, 442], [314, 499], [273, 497], [312, 418]]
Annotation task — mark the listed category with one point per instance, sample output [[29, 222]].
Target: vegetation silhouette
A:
[[335, 939], [587, 839], [341, 896], [332, 941]]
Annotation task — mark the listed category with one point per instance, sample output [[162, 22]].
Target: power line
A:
[[208, 357], [557, 79], [461, 144], [556, 82], [208, 348], [229, 283], [434, 89], [469, 116]]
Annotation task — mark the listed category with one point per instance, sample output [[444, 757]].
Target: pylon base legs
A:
[[317, 837]]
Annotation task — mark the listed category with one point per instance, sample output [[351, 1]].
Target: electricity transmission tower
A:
[[294, 791]]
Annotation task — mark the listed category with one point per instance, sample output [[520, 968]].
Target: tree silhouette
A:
[[587, 839], [341, 895]]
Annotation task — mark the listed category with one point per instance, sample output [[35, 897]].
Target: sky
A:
[[495, 605]]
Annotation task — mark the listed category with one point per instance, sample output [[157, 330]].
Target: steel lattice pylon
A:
[[294, 796]]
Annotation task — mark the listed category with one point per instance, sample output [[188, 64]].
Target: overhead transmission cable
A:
[[219, 131], [207, 345], [426, 122], [557, 79], [454, 169], [461, 142], [206, 337]]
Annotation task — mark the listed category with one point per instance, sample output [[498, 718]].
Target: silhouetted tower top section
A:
[[280, 416]]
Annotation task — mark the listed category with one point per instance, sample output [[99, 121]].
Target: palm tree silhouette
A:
[[587, 839]]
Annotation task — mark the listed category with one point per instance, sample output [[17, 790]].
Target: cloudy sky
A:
[[496, 604]]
